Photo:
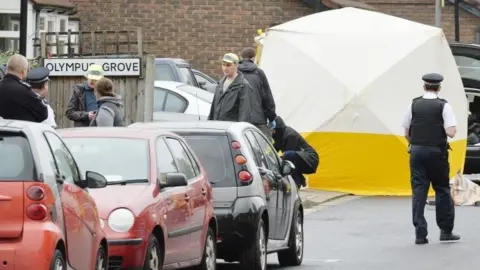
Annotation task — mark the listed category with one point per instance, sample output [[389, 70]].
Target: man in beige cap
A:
[[82, 104], [234, 98]]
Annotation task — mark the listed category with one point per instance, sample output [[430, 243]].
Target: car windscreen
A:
[[16, 160], [214, 154], [116, 158]]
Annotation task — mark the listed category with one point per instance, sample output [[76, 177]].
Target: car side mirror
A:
[[174, 180], [95, 180], [287, 167]]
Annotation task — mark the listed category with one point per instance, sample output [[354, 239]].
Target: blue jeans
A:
[[429, 165]]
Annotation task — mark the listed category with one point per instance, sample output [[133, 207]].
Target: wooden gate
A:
[[68, 55]]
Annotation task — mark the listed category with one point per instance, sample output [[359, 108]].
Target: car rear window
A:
[[214, 154], [116, 158], [16, 158]]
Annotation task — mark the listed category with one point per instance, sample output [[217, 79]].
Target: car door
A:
[[187, 75], [185, 166], [80, 231], [284, 197], [164, 72], [177, 219], [270, 182], [204, 81], [467, 58], [198, 186], [168, 101]]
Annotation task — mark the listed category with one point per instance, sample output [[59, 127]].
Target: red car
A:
[[157, 207], [48, 220]]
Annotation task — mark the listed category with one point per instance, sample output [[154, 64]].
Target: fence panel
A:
[[132, 73]]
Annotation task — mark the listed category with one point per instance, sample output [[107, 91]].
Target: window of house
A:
[[6, 19], [51, 28], [41, 24], [63, 25]]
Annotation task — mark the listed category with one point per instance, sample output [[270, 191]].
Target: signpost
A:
[[79, 66]]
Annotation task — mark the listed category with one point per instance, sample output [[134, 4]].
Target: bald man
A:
[[17, 99]]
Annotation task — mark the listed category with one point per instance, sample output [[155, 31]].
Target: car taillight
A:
[[235, 145], [240, 159], [37, 211], [35, 193], [244, 176]]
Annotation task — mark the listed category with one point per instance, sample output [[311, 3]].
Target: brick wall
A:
[[423, 11], [200, 31]]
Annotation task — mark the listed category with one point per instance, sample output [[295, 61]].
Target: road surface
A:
[[376, 234]]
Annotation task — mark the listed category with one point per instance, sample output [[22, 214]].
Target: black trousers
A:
[[430, 165]]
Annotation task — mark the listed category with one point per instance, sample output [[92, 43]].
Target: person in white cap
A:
[[82, 104]]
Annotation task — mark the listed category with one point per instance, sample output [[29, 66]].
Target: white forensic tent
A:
[[344, 79]]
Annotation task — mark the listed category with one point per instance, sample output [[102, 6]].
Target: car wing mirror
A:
[[95, 180], [174, 180], [287, 167]]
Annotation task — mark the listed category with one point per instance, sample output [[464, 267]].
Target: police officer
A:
[[17, 100], [38, 79], [428, 121]]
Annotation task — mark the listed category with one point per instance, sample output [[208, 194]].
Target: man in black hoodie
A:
[[258, 80], [295, 149]]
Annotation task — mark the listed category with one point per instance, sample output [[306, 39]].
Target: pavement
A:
[[376, 233], [314, 199]]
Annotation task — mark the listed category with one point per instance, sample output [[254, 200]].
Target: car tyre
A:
[[102, 260], [255, 257], [293, 256], [153, 256], [58, 261], [209, 258]]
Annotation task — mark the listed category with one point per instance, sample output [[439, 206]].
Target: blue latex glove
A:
[[271, 125], [289, 154]]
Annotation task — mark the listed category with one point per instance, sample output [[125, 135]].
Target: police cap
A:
[[432, 79], [38, 75]]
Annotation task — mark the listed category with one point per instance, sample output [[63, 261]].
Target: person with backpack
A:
[[265, 115]]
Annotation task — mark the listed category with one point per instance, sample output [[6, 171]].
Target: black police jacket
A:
[[19, 102]]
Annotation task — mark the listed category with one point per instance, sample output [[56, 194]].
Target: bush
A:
[[4, 56]]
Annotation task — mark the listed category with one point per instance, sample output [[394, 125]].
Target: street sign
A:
[[113, 67]]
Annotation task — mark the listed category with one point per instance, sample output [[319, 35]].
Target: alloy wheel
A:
[[59, 264], [210, 256], [154, 260], [299, 236], [263, 248]]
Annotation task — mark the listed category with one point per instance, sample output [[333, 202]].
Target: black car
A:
[[257, 204]]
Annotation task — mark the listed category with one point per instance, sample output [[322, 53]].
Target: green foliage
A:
[[6, 54]]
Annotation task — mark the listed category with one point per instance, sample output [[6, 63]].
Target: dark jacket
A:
[[19, 102], [110, 113], [306, 159], [76, 106], [235, 104], [257, 78]]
